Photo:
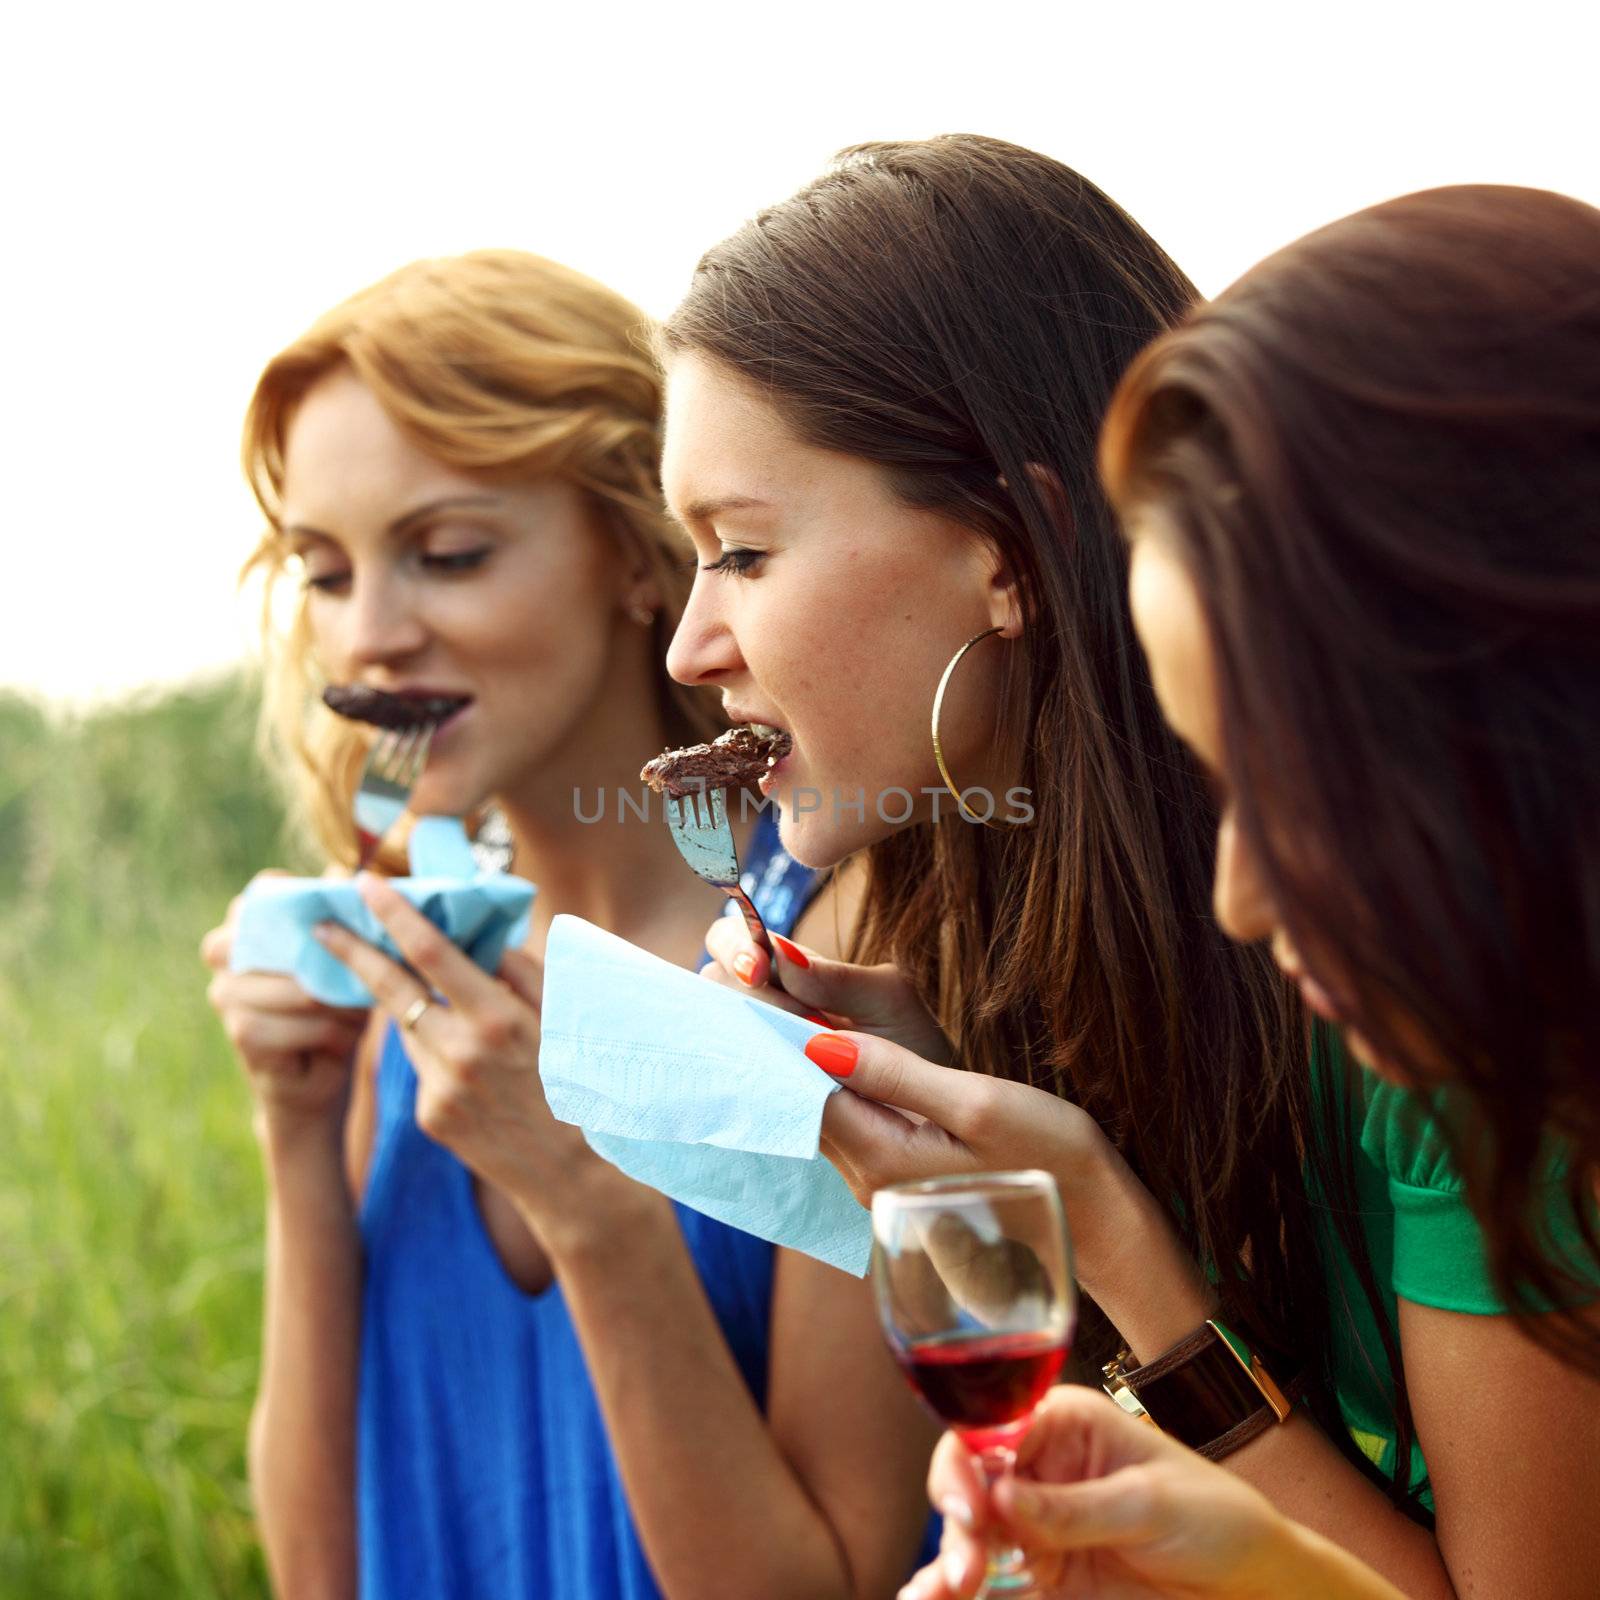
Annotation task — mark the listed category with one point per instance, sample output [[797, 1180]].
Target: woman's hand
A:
[[875, 1000], [902, 1119], [1107, 1506], [296, 1052], [476, 1056]]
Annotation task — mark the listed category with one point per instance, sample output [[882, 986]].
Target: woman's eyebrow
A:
[[707, 509], [405, 522]]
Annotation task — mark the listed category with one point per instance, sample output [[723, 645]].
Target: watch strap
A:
[[1209, 1390]]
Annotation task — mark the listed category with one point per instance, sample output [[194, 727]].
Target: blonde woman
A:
[[492, 1365]]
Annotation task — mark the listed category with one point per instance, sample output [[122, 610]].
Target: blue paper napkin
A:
[[484, 913], [696, 1091]]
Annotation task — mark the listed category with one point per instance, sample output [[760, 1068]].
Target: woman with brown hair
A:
[[1361, 492], [883, 397], [492, 1365]]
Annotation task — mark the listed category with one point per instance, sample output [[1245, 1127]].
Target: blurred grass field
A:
[[130, 1192]]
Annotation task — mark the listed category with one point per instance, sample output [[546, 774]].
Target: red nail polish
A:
[[791, 951], [818, 1018], [834, 1054], [744, 967]]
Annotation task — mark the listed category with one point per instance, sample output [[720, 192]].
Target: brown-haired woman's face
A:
[[422, 579], [826, 607], [1171, 625]]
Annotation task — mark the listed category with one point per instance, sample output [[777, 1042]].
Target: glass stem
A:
[[1007, 1572]]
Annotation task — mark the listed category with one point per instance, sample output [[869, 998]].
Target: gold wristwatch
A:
[[1210, 1391]]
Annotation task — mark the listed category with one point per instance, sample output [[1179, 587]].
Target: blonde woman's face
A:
[[826, 607], [421, 579]]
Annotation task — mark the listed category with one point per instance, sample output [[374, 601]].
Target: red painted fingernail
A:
[[744, 967], [818, 1018], [834, 1054], [791, 951]]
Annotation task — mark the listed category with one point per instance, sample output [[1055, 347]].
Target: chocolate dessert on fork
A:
[[399, 713], [734, 760], [696, 779]]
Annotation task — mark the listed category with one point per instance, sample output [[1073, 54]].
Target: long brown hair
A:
[[1378, 455], [958, 310], [496, 362]]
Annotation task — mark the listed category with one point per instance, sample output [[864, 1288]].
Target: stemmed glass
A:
[[973, 1277]]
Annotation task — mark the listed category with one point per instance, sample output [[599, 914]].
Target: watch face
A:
[[1200, 1393], [1259, 1376]]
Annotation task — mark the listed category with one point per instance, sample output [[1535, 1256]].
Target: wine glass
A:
[[973, 1278]]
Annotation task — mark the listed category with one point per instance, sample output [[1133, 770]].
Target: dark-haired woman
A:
[[1361, 493], [883, 397]]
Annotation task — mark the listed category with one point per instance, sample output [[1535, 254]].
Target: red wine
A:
[[985, 1388]]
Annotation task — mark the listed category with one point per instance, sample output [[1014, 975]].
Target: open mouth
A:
[[762, 741], [779, 746], [401, 713]]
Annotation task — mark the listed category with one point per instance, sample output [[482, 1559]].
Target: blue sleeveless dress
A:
[[484, 1470]]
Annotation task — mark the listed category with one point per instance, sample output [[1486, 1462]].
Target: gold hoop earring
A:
[[990, 821]]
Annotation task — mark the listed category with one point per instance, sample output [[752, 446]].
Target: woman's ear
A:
[[1004, 596], [1007, 607], [640, 595]]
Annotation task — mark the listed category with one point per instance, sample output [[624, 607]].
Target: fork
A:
[[698, 823], [394, 764]]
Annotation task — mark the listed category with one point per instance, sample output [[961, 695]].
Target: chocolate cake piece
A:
[[399, 712], [732, 761]]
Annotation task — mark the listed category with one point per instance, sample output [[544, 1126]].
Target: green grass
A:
[[130, 1191]]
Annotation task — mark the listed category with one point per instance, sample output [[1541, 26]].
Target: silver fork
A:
[[698, 823], [394, 764]]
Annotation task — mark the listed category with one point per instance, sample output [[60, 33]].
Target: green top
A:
[[1423, 1239]]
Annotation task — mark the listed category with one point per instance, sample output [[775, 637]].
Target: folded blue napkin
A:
[[484, 913], [695, 1090]]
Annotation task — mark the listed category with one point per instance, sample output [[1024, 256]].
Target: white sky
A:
[[187, 186]]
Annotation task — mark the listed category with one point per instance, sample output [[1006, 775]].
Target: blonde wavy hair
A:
[[499, 363]]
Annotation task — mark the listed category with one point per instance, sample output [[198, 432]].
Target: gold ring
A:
[[413, 1012]]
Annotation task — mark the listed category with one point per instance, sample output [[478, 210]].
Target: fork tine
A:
[[418, 755], [381, 752], [414, 743], [399, 754]]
